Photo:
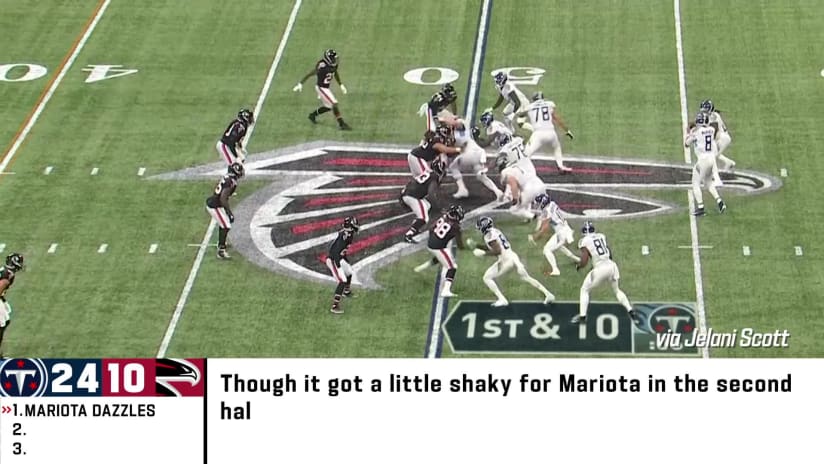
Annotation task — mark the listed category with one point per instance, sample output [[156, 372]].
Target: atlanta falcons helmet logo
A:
[[173, 374]]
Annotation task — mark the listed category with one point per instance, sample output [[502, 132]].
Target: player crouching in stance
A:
[[543, 117], [446, 228], [550, 213], [338, 261], [230, 146], [325, 69], [519, 178], [702, 137], [498, 245], [14, 264], [415, 195], [472, 157], [218, 206], [594, 245]]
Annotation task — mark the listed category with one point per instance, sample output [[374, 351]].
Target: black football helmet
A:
[[237, 170], [246, 116], [588, 228], [707, 106], [484, 223], [14, 262], [330, 56], [456, 213], [351, 223], [449, 92]]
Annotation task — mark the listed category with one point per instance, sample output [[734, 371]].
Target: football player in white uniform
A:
[[472, 157], [498, 245], [594, 247], [702, 137], [723, 140], [494, 130], [515, 100], [551, 214], [519, 178], [543, 117]]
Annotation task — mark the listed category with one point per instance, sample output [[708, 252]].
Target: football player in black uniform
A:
[[440, 108], [14, 264], [325, 69], [415, 195], [433, 145], [445, 229], [230, 146], [338, 261], [218, 206]]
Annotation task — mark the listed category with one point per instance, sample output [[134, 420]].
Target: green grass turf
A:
[[611, 70]]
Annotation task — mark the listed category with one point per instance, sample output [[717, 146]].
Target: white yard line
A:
[[44, 99], [440, 304], [696, 251], [204, 244]]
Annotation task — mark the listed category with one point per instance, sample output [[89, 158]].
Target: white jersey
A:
[[554, 215], [497, 129], [715, 118], [495, 235], [514, 151], [596, 244], [463, 134], [702, 139], [507, 89], [540, 115], [524, 174]]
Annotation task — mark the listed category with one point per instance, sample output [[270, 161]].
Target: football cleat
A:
[[246, 116], [345, 127], [484, 223], [236, 170], [699, 212], [578, 319], [487, 118], [456, 213], [347, 292], [336, 309], [14, 262], [588, 228], [549, 299], [707, 106], [500, 79], [500, 303], [636, 318], [448, 294], [313, 117], [722, 206], [330, 56], [222, 254], [537, 96], [541, 201], [351, 223], [702, 119], [409, 238]]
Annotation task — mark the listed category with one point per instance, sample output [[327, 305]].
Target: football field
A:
[[112, 108]]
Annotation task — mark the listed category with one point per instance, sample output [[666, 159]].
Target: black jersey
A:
[[338, 248], [418, 187], [426, 150], [228, 184], [442, 232], [234, 133], [325, 73], [6, 274]]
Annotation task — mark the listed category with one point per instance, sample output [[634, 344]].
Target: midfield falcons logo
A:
[[288, 225], [171, 373]]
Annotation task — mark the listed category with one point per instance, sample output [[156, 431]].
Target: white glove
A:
[[531, 239], [299, 87], [478, 252], [343, 89]]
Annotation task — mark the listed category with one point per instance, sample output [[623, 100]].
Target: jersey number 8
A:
[[600, 248], [707, 143]]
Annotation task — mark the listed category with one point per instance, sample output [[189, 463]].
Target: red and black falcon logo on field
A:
[[287, 226]]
